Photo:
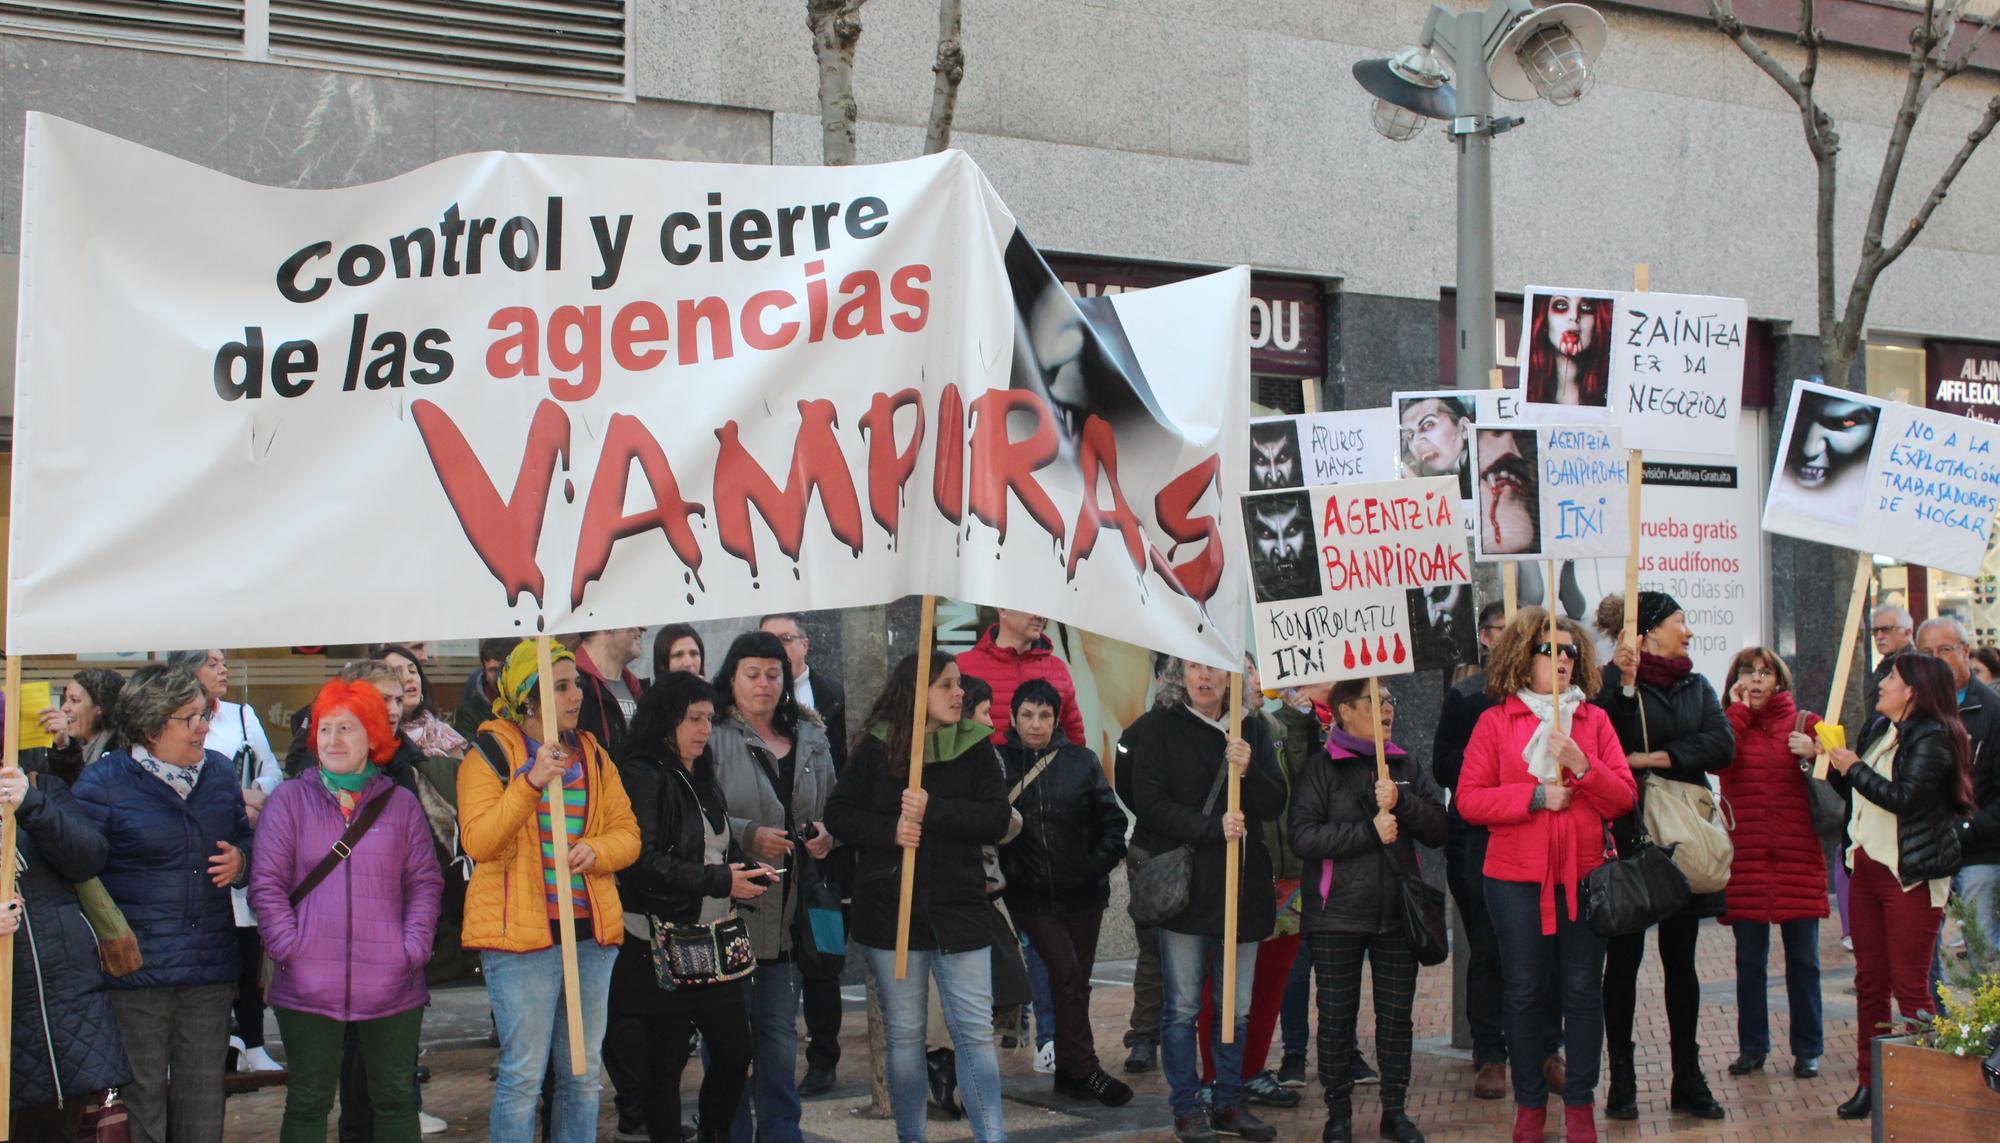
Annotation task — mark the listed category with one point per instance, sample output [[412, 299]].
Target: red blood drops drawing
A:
[[1382, 649], [1366, 659], [1350, 655], [1400, 653]]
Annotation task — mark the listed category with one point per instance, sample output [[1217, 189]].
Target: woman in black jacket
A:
[[961, 807], [1058, 872], [1673, 729], [1907, 790], [687, 873], [67, 1048], [1356, 833], [1177, 753]]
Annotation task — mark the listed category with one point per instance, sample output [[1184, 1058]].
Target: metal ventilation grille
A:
[[563, 45], [206, 24]]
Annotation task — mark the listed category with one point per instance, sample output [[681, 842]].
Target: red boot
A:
[[1579, 1123], [1529, 1123]]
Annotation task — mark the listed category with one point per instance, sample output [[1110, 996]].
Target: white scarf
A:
[[1536, 754]]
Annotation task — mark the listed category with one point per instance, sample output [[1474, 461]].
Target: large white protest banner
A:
[[519, 393], [1885, 478], [1342, 575], [1299, 450], [1666, 368], [1550, 492]]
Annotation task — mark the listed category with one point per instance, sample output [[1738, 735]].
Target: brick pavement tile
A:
[[1762, 1107]]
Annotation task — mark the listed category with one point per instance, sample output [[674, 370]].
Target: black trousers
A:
[[1621, 990], [624, 1055], [357, 1111], [822, 1006], [1068, 948], [250, 988], [1337, 969], [717, 1011]]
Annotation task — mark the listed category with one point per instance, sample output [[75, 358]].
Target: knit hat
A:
[[1655, 608], [520, 677]]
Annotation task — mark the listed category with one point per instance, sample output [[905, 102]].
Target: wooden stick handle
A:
[[1635, 483], [919, 719], [1232, 870], [1375, 705], [1843, 663], [9, 864], [545, 685], [1555, 676]]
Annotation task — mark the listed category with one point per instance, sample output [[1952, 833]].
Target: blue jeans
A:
[[1188, 964], [1525, 958], [965, 995], [526, 992], [1753, 952], [1295, 1010], [772, 995], [1045, 999]]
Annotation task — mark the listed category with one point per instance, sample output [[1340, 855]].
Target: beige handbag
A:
[[1690, 819]]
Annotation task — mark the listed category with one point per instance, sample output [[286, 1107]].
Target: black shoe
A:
[[631, 1129], [1264, 1090], [1621, 1099], [1144, 1056], [1805, 1069], [1860, 1105], [1238, 1122], [1746, 1064], [1361, 1072], [1693, 1097], [1292, 1070], [1192, 1129], [423, 1073], [944, 1083], [1397, 1126], [1098, 1085], [1339, 1128], [818, 1081]]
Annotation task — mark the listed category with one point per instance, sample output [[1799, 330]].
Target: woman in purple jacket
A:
[[348, 941]]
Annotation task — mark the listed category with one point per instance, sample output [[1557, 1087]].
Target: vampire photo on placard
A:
[[1443, 627], [1282, 552], [1274, 455], [1827, 451]]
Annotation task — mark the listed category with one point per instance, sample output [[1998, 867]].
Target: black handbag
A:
[[1162, 883], [1629, 894], [691, 956], [1824, 805], [1422, 906]]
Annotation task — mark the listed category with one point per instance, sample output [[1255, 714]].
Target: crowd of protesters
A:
[[726, 838]]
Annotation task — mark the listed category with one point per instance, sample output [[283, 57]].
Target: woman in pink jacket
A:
[[346, 890], [1544, 785]]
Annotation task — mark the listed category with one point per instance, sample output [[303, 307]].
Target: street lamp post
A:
[[1511, 49]]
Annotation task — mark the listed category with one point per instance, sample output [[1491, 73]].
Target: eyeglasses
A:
[[1947, 649], [1760, 673], [788, 640], [1568, 650], [1878, 632], [198, 718]]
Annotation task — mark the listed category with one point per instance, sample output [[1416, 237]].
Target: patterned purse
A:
[[693, 956]]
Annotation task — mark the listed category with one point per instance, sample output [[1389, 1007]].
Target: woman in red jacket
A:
[[1544, 775], [1779, 874]]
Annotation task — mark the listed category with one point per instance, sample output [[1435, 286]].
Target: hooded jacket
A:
[[740, 762], [157, 870], [1174, 755], [355, 947], [1779, 872], [1927, 834], [967, 809], [1351, 876], [1072, 832], [1006, 669]]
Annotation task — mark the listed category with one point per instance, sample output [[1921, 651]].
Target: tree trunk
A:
[[950, 70], [879, 1106], [836, 28]]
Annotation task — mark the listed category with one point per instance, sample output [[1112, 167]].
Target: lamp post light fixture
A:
[[1511, 49]]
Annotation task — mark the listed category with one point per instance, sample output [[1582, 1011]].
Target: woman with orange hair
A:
[[346, 892]]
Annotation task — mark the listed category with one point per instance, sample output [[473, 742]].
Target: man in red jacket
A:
[[1013, 651]]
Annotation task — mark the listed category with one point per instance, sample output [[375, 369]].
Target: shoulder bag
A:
[[1421, 906], [1684, 817], [1629, 894], [343, 847], [1162, 883], [703, 953], [1824, 804]]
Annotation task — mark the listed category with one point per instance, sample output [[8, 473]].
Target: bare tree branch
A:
[[1724, 14], [1943, 187], [1916, 89], [836, 28], [950, 71], [1963, 60]]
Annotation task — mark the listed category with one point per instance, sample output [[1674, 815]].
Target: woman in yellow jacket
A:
[[511, 908]]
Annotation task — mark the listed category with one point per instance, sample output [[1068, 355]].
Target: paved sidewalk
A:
[[1772, 1105]]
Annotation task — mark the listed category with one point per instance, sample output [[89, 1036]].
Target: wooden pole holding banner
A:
[[926, 631], [1555, 676], [1309, 392], [1375, 706], [1635, 483], [1843, 664], [1510, 573], [8, 867], [1232, 870], [545, 684]]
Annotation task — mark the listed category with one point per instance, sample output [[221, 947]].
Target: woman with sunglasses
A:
[[1673, 729], [1543, 773]]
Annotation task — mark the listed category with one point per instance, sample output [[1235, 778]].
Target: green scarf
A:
[[349, 783], [946, 742]]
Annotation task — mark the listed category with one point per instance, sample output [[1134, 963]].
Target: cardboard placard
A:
[[1550, 492], [1666, 368], [1321, 448], [1343, 577], [1885, 478], [1434, 429]]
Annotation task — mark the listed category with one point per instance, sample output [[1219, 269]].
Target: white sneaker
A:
[[259, 1060], [431, 1124], [1847, 943], [1045, 1059]]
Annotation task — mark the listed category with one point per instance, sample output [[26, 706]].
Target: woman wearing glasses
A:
[[1673, 729], [173, 814], [1779, 874], [1543, 773]]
